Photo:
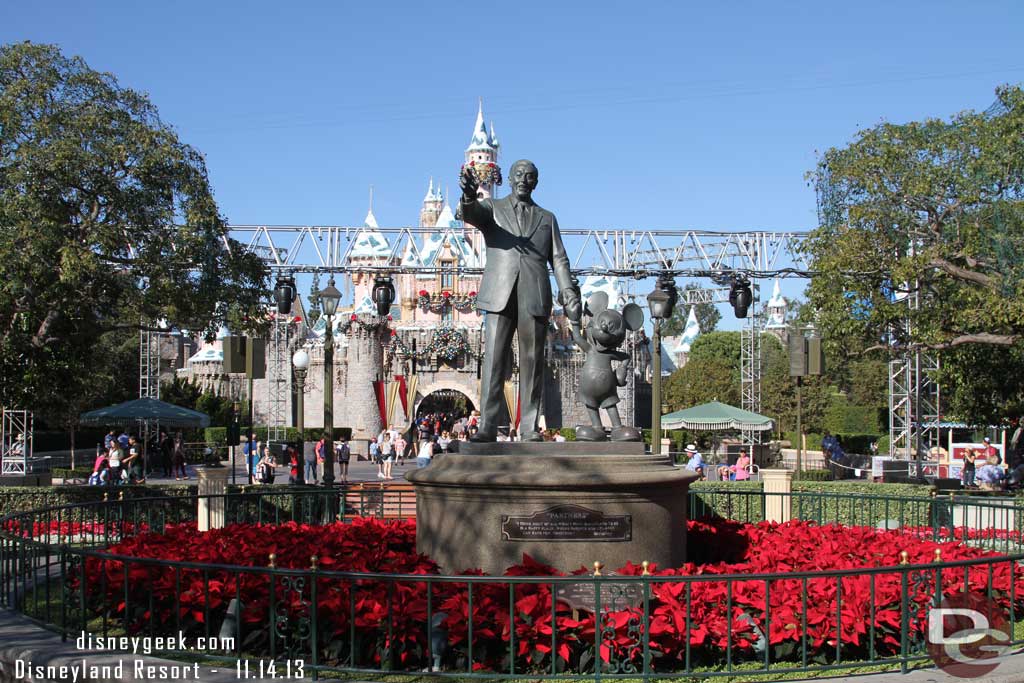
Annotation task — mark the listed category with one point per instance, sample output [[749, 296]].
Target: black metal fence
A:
[[312, 620]]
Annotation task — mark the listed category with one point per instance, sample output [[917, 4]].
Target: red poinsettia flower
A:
[[472, 294], [353, 317], [423, 292], [446, 295]]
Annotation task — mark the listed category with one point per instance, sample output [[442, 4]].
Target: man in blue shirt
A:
[[696, 460]]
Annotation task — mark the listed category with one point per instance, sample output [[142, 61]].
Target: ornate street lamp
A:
[[300, 363], [284, 293], [660, 302], [329, 299], [383, 294]]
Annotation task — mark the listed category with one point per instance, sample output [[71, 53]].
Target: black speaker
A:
[[815, 357], [259, 358], [797, 355], [234, 356]]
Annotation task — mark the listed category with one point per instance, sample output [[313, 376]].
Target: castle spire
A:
[[480, 139], [371, 220], [430, 191]]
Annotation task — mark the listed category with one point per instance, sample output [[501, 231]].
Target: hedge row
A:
[[850, 503], [15, 499], [851, 443]]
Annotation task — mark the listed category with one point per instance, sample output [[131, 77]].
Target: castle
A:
[[426, 352]]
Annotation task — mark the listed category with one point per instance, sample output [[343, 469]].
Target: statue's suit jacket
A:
[[518, 253]]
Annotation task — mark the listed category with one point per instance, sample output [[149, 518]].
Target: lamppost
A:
[[300, 364], [329, 298], [660, 302]]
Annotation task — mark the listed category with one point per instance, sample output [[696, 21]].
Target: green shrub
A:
[[15, 499], [67, 473], [812, 475], [851, 443]]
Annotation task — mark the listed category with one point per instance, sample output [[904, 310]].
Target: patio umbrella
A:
[[149, 409], [715, 416]]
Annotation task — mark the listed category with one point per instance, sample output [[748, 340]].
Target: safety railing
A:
[[316, 619]]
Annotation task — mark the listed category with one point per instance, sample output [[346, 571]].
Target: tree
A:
[[931, 210], [107, 224], [707, 316], [711, 373], [921, 243]]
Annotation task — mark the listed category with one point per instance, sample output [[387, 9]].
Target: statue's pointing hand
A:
[[468, 182]]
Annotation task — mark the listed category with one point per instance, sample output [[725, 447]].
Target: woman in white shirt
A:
[[426, 452], [387, 454]]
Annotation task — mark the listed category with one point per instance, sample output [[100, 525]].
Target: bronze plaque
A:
[[567, 523], [615, 596]]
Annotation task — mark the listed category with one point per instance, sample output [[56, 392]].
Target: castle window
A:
[[447, 275]]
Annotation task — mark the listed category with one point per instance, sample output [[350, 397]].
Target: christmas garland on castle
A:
[[447, 343]]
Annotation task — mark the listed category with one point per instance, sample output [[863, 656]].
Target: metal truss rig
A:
[[631, 253]]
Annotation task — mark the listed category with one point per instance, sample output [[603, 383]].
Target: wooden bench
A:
[[385, 500]]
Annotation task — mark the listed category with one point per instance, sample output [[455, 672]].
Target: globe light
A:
[[300, 360]]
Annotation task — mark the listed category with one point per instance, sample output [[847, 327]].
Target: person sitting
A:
[[696, 460], [990, 476], [101, 475], [741, 470]]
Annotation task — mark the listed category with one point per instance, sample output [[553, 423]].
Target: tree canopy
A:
[[107, 224], [929, 209], [921, 242], [708, 316]]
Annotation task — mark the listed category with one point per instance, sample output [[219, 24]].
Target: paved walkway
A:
[[20, 639], [362, 470]]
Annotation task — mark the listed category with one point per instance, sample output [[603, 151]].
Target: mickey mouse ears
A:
[[634, 316], [597, 303]]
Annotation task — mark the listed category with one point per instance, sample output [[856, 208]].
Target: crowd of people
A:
[[122, 460]]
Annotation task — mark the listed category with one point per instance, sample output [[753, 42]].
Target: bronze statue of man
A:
[[515, 293]]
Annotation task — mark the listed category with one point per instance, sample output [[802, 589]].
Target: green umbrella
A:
[[716, 416], [150, 409]]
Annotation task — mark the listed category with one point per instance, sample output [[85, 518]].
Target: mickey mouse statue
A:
[[599, 383]]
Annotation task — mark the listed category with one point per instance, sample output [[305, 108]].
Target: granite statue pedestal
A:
[[564, 504]]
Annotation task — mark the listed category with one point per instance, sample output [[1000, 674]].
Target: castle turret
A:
[[432, 205]]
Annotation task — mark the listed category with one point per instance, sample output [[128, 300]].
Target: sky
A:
[[654, 115]]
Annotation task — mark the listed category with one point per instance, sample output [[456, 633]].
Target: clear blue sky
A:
[[653, 114]]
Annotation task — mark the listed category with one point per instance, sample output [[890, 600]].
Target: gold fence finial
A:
[[646, 568], [120, 495], [938, 554], [597, 568], [904, 557], [273, 557], [314, 562]]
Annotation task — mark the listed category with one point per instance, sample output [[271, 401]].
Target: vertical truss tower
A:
[[15, 441], [149, 364], [751, 362], [278, 380], [914, 405]]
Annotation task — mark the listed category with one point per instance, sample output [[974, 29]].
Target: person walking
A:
[[344, 454], [116, 455], [387, 454], [970, 467], [426, 452], [178, 458], [311, 458]]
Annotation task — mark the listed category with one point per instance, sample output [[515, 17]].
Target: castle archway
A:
[[448, 401]]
